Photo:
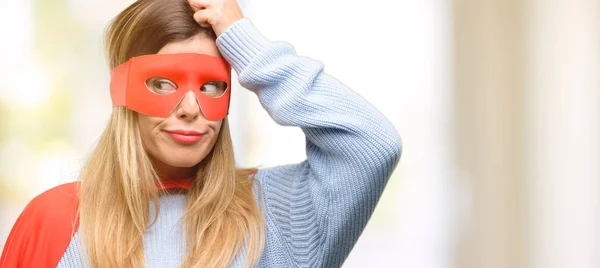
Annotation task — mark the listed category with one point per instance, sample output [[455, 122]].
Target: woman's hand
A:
[[218, 14]]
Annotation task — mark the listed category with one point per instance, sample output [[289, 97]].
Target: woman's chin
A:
[[183, 163]]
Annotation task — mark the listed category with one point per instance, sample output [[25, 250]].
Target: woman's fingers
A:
[[199, 4], [202, 17], [218, 14]]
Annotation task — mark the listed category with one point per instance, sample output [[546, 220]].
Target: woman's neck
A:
[[167, 172]]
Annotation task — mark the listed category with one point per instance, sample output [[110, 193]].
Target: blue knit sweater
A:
[[316, 209]]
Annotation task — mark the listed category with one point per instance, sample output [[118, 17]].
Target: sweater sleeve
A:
[[321, 205]]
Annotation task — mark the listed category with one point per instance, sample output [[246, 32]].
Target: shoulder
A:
[[54, 205], [44, 229], [58, 195]]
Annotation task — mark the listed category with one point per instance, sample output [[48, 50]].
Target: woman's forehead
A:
[[201, 44]]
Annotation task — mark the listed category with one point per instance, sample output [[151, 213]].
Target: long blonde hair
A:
[[119, 180]]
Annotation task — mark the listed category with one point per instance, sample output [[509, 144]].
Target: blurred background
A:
[[497, 102]]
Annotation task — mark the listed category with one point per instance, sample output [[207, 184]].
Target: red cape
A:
[[43, 231]]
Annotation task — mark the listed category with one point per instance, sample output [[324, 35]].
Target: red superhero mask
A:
[[155, 84]]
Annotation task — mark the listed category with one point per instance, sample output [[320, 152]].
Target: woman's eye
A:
[[210, 88], [214, 89], [160, 85]]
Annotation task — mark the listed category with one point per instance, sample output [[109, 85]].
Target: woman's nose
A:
[[188, 108]]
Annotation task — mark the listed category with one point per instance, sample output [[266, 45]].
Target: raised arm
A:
[[321, 205]]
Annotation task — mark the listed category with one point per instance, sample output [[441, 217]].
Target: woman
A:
[[161, 188]]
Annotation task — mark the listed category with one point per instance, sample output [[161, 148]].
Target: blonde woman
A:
[[161, 188]]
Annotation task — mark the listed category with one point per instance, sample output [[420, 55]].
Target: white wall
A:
[[564, 121]]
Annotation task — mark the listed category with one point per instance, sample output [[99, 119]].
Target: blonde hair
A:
[[119, 180]]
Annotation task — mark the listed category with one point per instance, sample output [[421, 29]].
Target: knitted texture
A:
[[316, 209]]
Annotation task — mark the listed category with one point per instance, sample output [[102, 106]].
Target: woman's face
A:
[[182, 139]]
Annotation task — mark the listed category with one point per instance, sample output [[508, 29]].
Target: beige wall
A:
[[526, 103], [564, 137], [488, 106]]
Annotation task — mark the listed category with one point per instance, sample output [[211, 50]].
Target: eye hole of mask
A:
[[161, 86], [214, 89]]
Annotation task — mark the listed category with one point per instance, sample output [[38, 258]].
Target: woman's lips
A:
[[185, 136]]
